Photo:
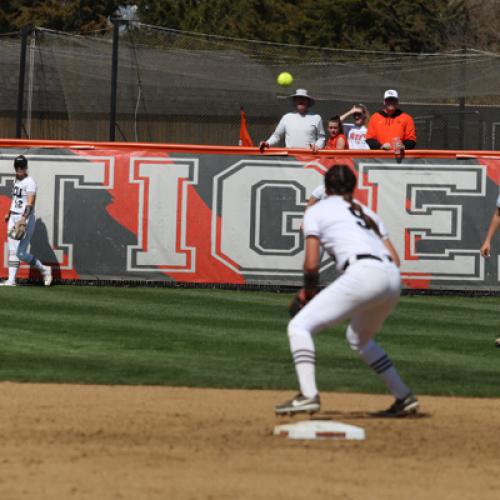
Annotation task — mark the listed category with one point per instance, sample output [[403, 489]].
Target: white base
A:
[[319, 429]]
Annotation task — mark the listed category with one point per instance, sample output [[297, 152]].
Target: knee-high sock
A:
[[376, 358], [34, 262], [304, 357], [13, 265]]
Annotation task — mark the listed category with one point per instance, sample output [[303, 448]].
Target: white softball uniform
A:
[[18, 249], [342, 231], [20, 192], [368, 289], [365, 293], [300, 131], [319, 193], [498, 200]]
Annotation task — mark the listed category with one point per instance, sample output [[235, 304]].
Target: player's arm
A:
[[385, 237], [311, 201], [494, 226], [30, 205], [392, 251], [316, 195], [311, 266]]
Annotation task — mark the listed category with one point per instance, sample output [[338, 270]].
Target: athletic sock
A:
[[13, 268], [304, 357], [37, 264], [376, 358]]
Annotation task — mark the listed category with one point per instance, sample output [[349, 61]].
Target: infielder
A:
[[22, 210], [486, 246], [366, 292], [319, 193]]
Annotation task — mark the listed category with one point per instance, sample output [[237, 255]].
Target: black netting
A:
[[188, 88]]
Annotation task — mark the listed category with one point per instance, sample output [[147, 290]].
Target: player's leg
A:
[[13, 259], [23, 254], [365, 324], [332, 305]]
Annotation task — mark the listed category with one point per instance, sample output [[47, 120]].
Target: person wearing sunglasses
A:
[[356, 131]]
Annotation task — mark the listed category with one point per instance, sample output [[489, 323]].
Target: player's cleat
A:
[[7, 283], [299, 404], [401, 407], [497, 342], [47, 275]]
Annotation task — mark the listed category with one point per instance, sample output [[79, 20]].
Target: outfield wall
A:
[[204, 214]]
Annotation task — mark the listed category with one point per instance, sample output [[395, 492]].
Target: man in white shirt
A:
[[300, 128], [22, 209]]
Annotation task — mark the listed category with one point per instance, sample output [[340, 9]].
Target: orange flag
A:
[[245, 139]]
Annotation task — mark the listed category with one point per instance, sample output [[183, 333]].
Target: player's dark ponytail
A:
[[357, 210], [341, 180]]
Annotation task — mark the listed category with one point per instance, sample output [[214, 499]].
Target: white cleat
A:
[[47, 276], [7, 283]]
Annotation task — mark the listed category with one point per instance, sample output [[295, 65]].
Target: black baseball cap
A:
[[20, 162]]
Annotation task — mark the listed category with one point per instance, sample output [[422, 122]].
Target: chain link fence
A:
[[180, 87]]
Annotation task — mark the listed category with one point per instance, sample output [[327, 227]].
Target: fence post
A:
[[25, 32], [114, 79], [463, 76]]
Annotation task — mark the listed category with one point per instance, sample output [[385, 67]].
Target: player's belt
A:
[[354, 258]]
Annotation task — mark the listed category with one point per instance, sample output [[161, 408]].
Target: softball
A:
[[285, 79]]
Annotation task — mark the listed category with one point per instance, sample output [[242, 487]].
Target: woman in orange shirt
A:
[[336, 139]]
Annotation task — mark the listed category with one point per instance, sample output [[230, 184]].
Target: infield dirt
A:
[[116, 442]]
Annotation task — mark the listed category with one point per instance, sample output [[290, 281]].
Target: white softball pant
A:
[[366, 293], [18, 249]]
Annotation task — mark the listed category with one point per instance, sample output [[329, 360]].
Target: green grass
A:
[[217, 338]]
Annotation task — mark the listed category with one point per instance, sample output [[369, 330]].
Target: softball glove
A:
[[18, 230]]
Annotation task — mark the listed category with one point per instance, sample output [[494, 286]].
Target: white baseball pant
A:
[[366, 293], [18, 249]]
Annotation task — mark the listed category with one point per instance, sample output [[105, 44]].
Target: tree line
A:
[[395, 25]]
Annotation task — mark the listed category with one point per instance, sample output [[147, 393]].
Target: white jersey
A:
[[356, 137], [300, 131], [342, 232], [498, 200], [20, 191], [320, 192]]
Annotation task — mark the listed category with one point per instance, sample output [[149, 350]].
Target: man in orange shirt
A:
[[390, 124]]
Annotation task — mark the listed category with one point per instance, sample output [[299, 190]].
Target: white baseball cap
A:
[[391, 94]]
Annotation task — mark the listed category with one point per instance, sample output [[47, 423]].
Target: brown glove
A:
[[297, 303], [18, 230]]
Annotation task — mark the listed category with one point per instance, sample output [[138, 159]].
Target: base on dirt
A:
[[319, 429]]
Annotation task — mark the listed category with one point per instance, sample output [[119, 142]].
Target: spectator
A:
[[336, 139], [389, 124], [356, 132], [301, 128]]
